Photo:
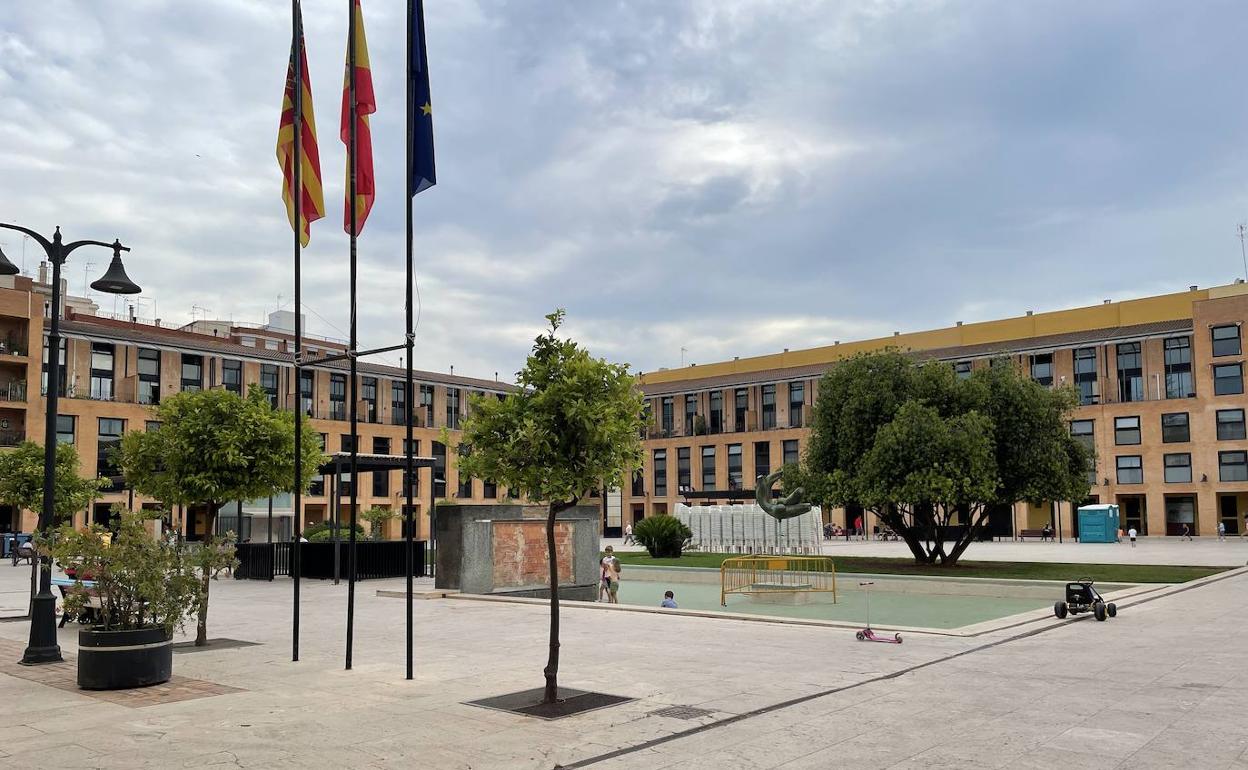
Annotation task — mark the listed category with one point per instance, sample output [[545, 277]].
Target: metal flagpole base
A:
[[42, 646]]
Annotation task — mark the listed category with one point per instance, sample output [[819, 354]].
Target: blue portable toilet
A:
[[1098, 523]]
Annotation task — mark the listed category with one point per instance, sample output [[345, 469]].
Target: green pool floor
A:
[[897, 609]]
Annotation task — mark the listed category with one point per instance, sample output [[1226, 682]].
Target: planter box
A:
[[119, 660]]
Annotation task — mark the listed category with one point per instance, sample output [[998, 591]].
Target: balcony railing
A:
[[11, 437], [13, 391]]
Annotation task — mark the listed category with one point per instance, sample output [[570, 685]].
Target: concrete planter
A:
[[119, 660]]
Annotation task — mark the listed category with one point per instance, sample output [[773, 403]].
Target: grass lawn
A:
[[1026, 570]]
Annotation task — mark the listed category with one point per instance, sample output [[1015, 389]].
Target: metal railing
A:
[[771, 575], [13, 391]]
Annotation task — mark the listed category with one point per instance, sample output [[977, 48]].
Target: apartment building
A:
[[1161, 389], [114, 370]]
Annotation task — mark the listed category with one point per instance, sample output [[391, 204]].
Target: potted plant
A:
[[141, 588]]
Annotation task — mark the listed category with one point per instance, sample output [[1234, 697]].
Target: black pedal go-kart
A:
[[1082, 597]]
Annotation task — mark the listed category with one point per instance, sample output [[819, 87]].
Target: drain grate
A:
[[682, 712]]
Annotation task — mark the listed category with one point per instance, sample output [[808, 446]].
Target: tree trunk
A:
[[201, 626], [972, 532], [552, 659]]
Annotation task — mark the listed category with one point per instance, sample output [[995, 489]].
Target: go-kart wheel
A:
[[1059, 609], [898, 638], [1112, 609], [1098, 610], [861, 636]]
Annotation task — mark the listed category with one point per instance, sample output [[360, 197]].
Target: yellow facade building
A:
[[1161, 385]]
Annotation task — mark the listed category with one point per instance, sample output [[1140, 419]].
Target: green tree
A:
[[21, 480], [212, 447], [922, 449], [377, 518], [574, 422]]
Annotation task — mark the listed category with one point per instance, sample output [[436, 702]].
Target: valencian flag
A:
[[421, 105], [312, 200], [365, 105]]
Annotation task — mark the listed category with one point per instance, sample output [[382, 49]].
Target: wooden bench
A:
[[91, 611], [1023, 534]]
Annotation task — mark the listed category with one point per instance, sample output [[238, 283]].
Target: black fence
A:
[[375, 559]]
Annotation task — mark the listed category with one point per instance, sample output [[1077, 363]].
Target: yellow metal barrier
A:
[[773, 574]]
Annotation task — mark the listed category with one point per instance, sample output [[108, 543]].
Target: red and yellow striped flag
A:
[[365, 105], [312, 200]]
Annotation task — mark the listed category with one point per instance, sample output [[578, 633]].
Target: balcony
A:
[[13, 391]]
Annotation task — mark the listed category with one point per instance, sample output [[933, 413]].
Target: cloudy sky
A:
[[722, 176]]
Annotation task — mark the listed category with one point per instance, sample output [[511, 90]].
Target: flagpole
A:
[[410, 334], [297, 47], [352, 162]]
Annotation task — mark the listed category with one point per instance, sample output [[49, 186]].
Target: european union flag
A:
[[419, 102]]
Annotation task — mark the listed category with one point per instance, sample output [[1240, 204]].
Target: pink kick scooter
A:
[[866, 634]]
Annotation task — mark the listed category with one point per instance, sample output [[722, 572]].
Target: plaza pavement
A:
[[1197, 552], [1162, 685]]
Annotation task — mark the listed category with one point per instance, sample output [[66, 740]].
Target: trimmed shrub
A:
[[663, 536], [323, 532]]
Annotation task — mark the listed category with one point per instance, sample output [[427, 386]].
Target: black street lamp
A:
[[42, 647]]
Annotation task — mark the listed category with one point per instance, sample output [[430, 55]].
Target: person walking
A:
[[1131, 533], [604, 571], [858, 533], [1187, 533], [1221, 531], [628, 535]]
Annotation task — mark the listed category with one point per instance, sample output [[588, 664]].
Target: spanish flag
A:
[[312, 200], [365, 104]]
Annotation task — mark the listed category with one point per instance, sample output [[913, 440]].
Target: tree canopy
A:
[[214, 446], [21, 480], [923, 449]]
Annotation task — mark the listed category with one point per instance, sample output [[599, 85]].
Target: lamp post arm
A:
[[115, 245], [44, 242]]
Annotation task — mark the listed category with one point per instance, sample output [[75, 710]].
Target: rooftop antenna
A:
[[683, 351], [1243, 232], [86, 275]]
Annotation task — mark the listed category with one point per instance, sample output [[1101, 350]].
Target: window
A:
[[762, 458], [193, 373], [1228, 379], [109, 438], [439, 469], [691, 413], [102, 371], [346, 441], [769, 407], [667, 414], [660, 472], [1042, 368], [1082, 431], [232, 376], [1233, 466], [717, 411], [398, 403], [790, 452], [1085, 376], [684, 469], [337, 396], [1231, 425], [150, 426], [1126, 430], [381, 479], [1130, 372], [62, 372], [1225, 340], [1174, 428], [368, 393], [452, 408], [962, 369], [149, 376], [1130, 470], [426, 401], [797, 403], [639, 484], [1179, 382], [708, 468], [1178, 468], [64, 429], [735, 475], [489, 490], [741, 405], [307, 392], [268, 381]]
